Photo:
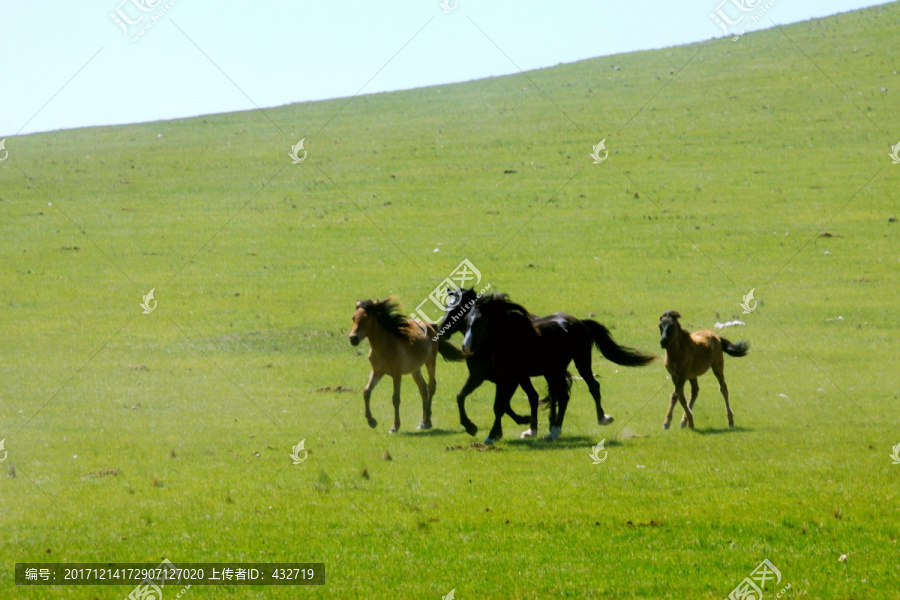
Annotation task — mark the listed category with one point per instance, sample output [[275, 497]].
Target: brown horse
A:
[[690, 355], [399, 347]]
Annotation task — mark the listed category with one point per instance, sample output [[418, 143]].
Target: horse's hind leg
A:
[[432, 386], [531, 393], [552, 410], [423, 391], [583, 364], [367, 393], [533, 399], [719, 372], [396, 400], [559, 392], [695, 389]]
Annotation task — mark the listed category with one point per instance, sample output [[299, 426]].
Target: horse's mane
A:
[[387, 313], [501, 303]]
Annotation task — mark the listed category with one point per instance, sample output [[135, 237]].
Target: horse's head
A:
[[361, 321], [668, 327], [458, 304]]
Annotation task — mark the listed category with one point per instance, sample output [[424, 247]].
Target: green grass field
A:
[[758, 164]]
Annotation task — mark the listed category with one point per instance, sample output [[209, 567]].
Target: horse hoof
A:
[[424, 425], [373, 423], [488, 442], [554, 434], [528, 433], [393, 430], [471, 428], [665, 425], [683, 424], [606, 420]]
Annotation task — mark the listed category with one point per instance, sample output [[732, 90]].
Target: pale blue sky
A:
[[285, 51]]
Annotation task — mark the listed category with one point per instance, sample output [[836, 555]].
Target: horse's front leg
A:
[[684, 404], [673, 399], [505, 390], [470, 386], [423, 391], [533, 399], [396, 399], [367, 393], [695, 389]]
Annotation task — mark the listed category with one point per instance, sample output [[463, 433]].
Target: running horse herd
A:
[[507, 345]]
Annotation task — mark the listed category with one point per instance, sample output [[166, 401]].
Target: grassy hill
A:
[[755, 164]]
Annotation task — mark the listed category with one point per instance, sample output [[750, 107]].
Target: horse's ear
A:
[[671, 314]]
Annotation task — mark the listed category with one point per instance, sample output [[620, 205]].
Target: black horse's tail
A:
[[732, 349], [621, 355], [450, 352]]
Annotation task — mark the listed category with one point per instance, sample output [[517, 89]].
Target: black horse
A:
[[481, 365], [520, 346]]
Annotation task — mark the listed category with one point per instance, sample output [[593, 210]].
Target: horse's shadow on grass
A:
[[563, 443], [720, 430], [436, 431]]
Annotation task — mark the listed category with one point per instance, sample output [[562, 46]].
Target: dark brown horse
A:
[[521, 346], [399, 347], [690, 355]]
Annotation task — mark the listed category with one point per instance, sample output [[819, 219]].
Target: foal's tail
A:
[[450, 352], [732, 349], [621, 355]]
